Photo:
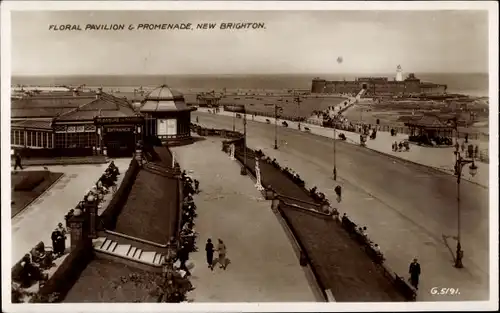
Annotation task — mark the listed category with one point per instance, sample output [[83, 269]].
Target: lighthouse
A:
[[399, 74]]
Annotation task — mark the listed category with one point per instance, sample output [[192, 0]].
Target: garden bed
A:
[[29, 185], [108, 281]]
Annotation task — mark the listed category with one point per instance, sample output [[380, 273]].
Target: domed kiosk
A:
[[167, 116]]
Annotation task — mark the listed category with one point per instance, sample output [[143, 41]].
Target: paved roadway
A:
[[407, 208]]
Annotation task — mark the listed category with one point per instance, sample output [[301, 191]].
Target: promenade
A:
[[410, 210], [36, 222], [438, 158], [264, 266]]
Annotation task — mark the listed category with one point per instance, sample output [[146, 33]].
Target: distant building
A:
[[379, 86], [208, 100]]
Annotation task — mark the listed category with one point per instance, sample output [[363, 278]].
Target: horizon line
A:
[[240, 74]]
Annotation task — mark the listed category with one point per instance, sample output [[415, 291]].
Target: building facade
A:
[[91, 124], [378, 86]]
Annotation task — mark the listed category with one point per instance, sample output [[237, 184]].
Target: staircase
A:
[[358, 96], [128, 252], [352, 101]]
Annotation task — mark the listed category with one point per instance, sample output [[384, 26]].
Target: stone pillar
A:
[[91, 208], [77, 228]]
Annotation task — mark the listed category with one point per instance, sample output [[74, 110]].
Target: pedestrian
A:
[[466, 138], [17, 164], [222, 250], [209, 248], [476, 152], [63, 232], [196, 186], [56, 242], [414, 273], [197, 119], [183, 256], [462, 146]]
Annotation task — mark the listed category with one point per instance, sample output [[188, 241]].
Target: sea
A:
[[474, 84]]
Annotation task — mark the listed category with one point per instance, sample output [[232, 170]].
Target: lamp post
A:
[[335, 118], [244, 168], [277, 110], [234, 119], [459, 165]]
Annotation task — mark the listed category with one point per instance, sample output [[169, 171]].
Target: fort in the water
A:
[[380, 86]]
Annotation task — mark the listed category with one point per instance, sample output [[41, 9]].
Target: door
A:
[[120, 144]]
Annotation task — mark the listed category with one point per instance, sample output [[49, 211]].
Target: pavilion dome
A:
[[164, 99]]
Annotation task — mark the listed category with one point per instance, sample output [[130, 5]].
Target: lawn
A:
[[29, 185], [108, 281]]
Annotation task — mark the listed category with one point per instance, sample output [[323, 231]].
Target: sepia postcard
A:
[[199, 156]]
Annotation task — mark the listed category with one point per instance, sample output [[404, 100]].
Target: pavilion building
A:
[[167, 116], [96, 123]]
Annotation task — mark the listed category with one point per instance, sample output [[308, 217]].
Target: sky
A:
[[299, 42]]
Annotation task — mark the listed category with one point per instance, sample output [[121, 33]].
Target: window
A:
[[44, 140], [21, 135], [29, 139], [60, 140], [49, 143], [39, 139]]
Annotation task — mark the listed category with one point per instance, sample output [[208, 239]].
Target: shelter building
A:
[[167, 116]]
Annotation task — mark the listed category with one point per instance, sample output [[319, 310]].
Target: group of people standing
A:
[[222, 252]]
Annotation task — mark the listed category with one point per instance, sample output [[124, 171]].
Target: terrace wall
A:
[[109, 217]]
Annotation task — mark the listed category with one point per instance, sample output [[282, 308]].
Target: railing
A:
[[117, 234]]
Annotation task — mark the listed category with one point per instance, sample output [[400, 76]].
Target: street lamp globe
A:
[[473, 170]]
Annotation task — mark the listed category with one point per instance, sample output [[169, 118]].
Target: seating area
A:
[[105, 184]]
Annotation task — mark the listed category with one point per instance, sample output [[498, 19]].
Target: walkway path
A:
[[264, 266], [407, 208], [38, 220], [440, 158]]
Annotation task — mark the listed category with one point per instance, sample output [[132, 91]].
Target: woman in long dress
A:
[[222, 250]]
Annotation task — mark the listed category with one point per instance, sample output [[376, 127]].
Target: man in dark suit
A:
[[414, 273]]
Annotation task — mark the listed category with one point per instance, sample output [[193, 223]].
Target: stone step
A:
[[112, 246], [106, 244], [97, 243], [131, 251], [156, 258], [122, 249], [147, 256], [137, 254], [162, 259]]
